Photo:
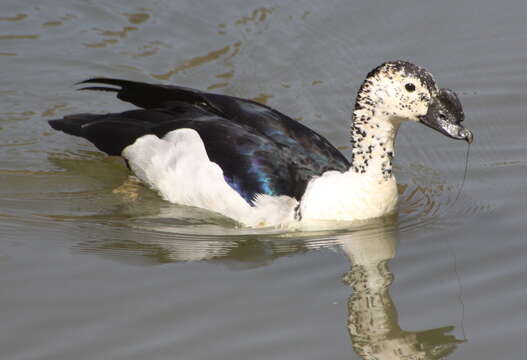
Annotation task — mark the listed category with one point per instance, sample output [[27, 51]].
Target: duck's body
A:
[[250, 162]]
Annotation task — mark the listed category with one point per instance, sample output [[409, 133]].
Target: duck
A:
[[259, 167]]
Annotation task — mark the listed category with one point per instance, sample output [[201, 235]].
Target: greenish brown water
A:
[[88, 272]]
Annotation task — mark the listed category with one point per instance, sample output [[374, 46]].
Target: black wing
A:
[[259, 149]]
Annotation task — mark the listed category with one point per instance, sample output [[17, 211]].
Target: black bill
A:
[[445, 115]]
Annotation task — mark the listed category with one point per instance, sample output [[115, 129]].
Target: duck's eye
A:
[[409, 87]]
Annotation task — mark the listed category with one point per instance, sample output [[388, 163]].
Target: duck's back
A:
[[259, 150]]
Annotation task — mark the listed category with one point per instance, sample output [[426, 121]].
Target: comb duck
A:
[[258, 166]]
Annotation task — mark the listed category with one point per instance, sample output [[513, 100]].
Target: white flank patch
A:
[[178, 167]]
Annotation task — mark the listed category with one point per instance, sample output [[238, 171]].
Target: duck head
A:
[[398, 91]]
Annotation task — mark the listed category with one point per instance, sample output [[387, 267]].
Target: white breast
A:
[[349, 196]]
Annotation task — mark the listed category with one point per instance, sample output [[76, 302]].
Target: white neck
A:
[[372, 140], [368, 189]]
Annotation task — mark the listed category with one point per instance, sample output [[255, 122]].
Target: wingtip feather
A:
[[99, 88]]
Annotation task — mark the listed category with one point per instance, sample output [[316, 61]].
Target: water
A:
[[88, 272]]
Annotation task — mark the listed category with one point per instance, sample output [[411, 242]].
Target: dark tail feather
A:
[[108, 134], [73, 124]]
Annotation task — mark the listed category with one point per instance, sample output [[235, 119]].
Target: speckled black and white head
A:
[[397, 90], [394, 92]]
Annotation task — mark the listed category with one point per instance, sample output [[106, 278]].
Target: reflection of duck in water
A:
[[259, 167], [372, 315], [373, 323]]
